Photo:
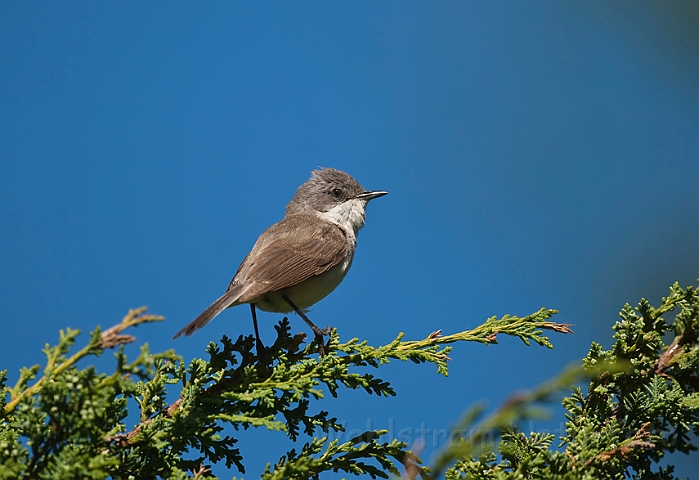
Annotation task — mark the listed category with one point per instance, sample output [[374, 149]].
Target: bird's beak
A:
[[371, 195]]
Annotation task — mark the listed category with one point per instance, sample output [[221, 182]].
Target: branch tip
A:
[[435, 334], [558, 327]]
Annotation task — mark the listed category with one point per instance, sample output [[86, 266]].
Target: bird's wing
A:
[[301, 247]]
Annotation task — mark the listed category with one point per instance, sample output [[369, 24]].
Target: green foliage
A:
[[56, 427], [317, 457], [642, 402], [70, 423]]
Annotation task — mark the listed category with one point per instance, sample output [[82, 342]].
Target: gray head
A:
[[334, 192]]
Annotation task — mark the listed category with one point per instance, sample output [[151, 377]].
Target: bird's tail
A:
[[226, 300]]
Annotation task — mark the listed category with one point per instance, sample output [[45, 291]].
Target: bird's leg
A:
[[259, 345], [318, 332]]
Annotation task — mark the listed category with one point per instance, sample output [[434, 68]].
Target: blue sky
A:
[[536, 154]]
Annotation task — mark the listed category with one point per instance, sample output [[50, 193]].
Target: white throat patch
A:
[[349, 215]]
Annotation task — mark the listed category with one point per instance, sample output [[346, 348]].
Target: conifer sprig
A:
[[72, 419]]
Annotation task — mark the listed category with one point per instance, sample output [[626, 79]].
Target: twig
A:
[[109, 338]]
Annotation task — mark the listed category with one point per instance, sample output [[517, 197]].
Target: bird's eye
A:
[[336, 192]]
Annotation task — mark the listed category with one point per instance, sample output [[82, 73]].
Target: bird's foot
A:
[[262, 356], [320, 334]]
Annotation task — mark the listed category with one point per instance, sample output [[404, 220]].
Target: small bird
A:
[[297, 262]]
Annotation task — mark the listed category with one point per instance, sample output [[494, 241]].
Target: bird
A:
[[298, 261]]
